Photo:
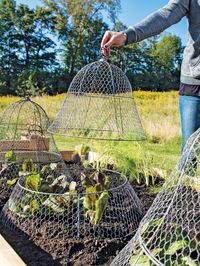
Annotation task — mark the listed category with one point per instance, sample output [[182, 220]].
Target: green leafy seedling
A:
[[29, 166], [12, 182], [10, 156], [175, 246], [140, 260], [100, 205], [96, 198], [189, 261], [32, 182]]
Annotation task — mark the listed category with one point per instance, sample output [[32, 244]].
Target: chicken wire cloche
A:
[[99, 105], [25, 145], [98, 205], [169, 234]]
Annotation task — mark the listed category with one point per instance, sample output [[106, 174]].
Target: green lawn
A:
[[129, 156]]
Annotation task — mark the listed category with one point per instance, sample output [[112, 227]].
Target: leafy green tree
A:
[[80, 27], [25, 43], [8, 45], [158, 64], [165, 67], [37, 49], [153, 64], [30, 61], [28, 84]]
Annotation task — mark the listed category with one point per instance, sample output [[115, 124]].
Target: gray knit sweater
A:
[[160, 20]]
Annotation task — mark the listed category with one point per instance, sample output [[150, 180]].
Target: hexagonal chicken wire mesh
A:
[[95, 205], [24, 141], [99, 105], [169, 234]]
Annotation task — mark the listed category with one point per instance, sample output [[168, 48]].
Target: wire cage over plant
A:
[[96, 205], [169, 234], [24, 143], [99, 105]]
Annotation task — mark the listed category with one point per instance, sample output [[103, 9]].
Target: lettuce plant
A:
[[96, 195]]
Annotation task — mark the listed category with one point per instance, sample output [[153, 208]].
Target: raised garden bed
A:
[[26, 143]]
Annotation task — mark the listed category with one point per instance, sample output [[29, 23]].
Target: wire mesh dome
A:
[[169, 234], [95, 205], [24, 142], [99, 105]]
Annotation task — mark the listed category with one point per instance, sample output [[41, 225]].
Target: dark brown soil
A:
[[75, 253], [69, 252], [5, 191], [144, 194]]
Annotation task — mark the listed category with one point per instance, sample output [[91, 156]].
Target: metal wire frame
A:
[[169, 234], [99, 105], [61, 217], [23, 134]]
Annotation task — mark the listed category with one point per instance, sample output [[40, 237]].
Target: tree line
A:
[[42, 49]]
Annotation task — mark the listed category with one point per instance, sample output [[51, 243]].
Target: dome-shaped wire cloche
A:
[[169, 234], [24, 144], [99, 105]]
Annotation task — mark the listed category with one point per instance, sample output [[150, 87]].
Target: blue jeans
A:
[[189, 107]]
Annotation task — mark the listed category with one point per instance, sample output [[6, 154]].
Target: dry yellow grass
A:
[[159, 114], [158, 111]]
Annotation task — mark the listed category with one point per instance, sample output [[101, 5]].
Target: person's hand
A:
[[110, 39]]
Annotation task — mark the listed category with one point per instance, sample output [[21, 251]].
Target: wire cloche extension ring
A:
[[94, 206], [99, 105]]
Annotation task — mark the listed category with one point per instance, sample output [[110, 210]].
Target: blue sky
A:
[[135, 10]]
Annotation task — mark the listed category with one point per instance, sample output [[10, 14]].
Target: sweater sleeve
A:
[[158, 21]]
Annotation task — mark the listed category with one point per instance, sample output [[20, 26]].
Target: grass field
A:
[[160, 119]]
